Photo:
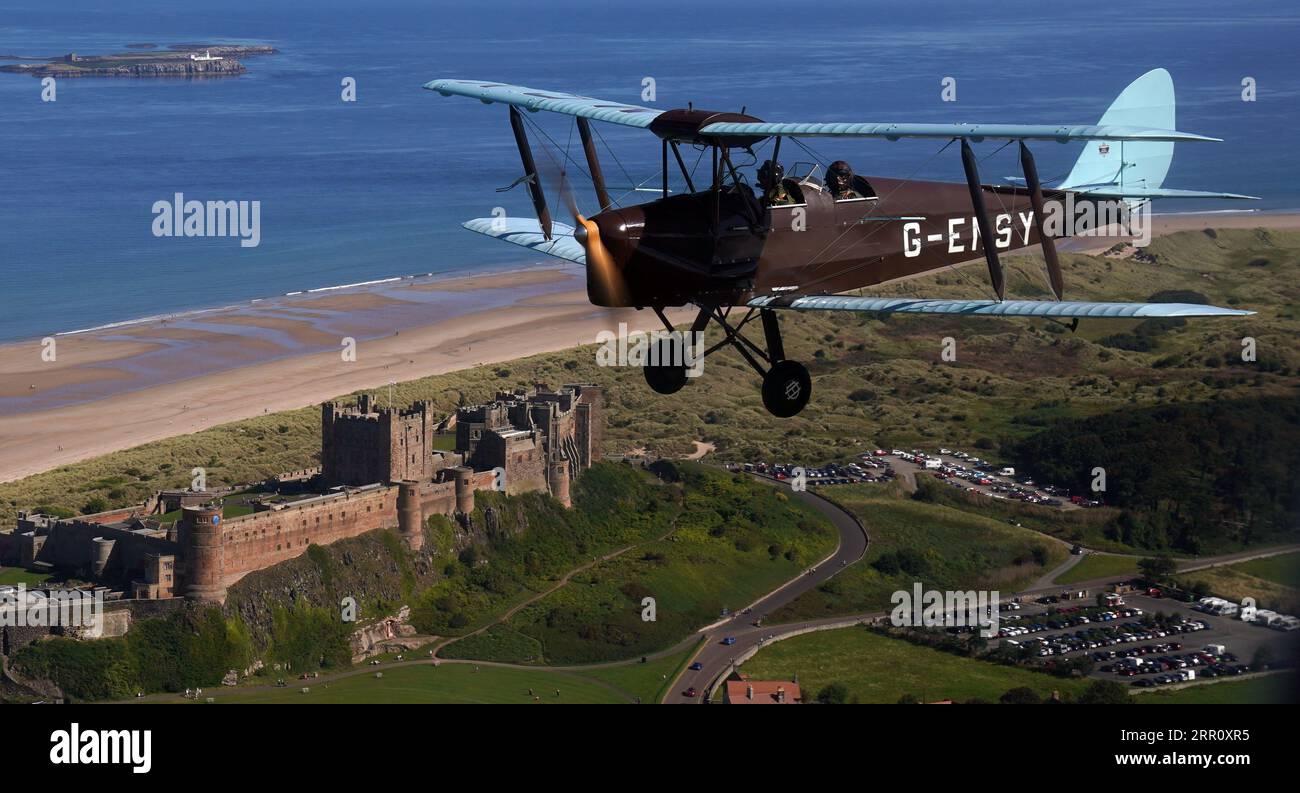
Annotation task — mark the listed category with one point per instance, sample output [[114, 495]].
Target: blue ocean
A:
[[358, 191]]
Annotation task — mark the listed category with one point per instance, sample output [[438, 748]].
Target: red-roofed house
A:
[[744, 691]]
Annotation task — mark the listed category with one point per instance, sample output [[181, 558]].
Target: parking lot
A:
[[866, 468], [971, 472], [1127, 644], [952, 466]]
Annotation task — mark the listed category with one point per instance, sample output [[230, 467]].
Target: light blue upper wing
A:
[[994, 308], [1061, 133], [553, 101]]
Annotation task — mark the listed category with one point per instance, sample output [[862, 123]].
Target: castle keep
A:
[[380, 468]]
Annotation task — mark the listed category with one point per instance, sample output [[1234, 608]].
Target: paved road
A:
[[716, 657]]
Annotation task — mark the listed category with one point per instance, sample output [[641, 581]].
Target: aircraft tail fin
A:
[[1113, 166]]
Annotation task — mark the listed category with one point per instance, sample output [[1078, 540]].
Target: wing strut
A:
[[530, 172], [981, 220], [1036, 197], [593, 164]]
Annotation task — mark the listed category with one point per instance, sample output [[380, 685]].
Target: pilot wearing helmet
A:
[[770, 178], [839, 178]]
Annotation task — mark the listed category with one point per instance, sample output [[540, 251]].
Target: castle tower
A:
[[557, 479], [103, 548], [464, 489], [410, 518], [201, 531]]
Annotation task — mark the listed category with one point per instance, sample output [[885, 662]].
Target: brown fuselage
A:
[[725, 248]]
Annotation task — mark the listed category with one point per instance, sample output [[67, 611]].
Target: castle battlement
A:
[[379, 469]]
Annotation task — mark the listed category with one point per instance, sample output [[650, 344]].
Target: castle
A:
[[380, 468]]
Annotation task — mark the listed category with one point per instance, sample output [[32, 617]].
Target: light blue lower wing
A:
[[527, 232], [994, 308]]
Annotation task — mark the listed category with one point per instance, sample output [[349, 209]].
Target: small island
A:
[[178, 60]]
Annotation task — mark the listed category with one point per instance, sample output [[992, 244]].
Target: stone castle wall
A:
[[252, 542]]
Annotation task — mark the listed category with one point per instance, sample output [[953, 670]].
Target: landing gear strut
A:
[[787, 386]]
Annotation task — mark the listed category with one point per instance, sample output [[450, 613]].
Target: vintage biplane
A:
[[720, 247]]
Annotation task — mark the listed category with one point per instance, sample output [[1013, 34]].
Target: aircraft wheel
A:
[[787, 387], [665, 378]]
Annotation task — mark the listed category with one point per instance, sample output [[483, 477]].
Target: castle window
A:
[[277, 547]]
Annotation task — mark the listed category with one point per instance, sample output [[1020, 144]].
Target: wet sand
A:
[[119, 387], [125, 386]]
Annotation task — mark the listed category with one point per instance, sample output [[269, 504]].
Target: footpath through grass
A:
[[445, 684], [733, 541]]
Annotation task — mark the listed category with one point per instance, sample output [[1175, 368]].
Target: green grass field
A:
[[459, 683], [1283, 569], [878, 669], [1098, 565], [17, 575], [961, 551], [1268, 690], [445, 684], [650, 680]]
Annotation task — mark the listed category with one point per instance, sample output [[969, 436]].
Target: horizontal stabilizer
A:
[[527, 232], [994, 308]]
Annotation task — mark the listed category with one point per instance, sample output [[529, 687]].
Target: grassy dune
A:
[[1009, 378]]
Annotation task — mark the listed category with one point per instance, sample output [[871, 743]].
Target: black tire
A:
[[665, 378], [787, 387]]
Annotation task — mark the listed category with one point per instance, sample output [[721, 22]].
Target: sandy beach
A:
[[119, 387]]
